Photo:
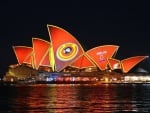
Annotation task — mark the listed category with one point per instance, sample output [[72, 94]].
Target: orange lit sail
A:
[[23, 54], [129, 63], [83, 62], [46, 60], [100, 54], [65, 48], [40, 49], [114, 63]]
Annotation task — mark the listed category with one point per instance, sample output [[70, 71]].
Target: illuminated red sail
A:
[[114, 63], [46, 60], [40, 49], [23, 54], [83, 62], [129, 63], [64, 46], [100, 54], [29, 59]]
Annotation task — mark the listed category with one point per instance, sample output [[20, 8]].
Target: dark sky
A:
[[93, 24]]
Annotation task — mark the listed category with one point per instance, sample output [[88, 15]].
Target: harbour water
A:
[[75, 98]]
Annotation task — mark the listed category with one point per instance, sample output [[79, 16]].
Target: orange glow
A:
[[40, 49], [83, 62], [23, 54], [46, 61], [65, 47], [106, 79], [129, 63], [114, 63], [100, 54], [64, 50]]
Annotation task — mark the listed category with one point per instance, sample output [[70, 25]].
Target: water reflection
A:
[[75, 98]]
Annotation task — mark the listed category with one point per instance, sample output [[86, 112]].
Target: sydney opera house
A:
[[64, 54]]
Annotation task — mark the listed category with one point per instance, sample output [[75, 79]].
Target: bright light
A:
[[106, 79]]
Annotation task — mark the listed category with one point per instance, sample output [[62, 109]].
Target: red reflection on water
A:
[[73, 98]]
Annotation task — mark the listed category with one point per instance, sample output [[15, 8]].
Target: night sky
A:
[[92, 23]]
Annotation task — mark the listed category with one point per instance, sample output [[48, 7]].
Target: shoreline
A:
[[4, 83]]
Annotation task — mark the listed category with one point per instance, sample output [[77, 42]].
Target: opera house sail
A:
[[65, 47], [114, 64], [41, 52], [23, 54], [129, 63], [100, 54], [82, 62]]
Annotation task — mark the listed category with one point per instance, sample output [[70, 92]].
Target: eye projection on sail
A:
[[64, 46]]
